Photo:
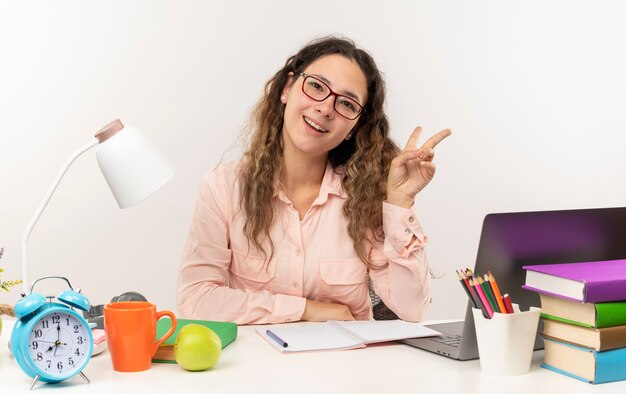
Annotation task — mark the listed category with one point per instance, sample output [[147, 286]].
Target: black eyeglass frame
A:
[[330, 93]]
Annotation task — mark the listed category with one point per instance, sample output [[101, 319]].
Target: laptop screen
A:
[[511, 240]]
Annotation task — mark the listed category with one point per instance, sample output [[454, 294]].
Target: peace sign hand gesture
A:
[[412, 169]]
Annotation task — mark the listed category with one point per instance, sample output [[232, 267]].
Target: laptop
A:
[[509, 241]]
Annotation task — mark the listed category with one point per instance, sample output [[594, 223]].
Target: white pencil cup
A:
[[506, 341]]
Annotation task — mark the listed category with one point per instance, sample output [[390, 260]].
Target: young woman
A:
[[321, 199]]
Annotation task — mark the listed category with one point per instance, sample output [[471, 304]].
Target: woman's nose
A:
[[326, 107]]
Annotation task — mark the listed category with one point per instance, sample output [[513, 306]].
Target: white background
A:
[[534, 92]]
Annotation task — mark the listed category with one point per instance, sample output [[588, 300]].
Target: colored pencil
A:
[[496, 305], [465, 285], [477, 302], [488, 294], [483, 298], [496, 292]]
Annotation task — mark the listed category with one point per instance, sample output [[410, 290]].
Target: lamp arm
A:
[[93, 142]]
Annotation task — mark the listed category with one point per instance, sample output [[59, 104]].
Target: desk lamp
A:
[[131, 166]]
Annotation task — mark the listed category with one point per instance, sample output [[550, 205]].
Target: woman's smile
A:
[[314, 125]]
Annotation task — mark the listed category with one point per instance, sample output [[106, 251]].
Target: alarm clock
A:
[[51, 341]]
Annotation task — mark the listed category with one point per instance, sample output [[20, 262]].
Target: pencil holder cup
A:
[[506, 341]]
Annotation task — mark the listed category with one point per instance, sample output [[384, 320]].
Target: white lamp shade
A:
[[131, 166]]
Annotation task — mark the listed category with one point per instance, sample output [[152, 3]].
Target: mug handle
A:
[[159, 315]]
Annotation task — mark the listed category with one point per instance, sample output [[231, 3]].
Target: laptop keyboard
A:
[[451, 340]]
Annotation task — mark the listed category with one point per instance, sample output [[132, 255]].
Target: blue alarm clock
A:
[[51, 341]]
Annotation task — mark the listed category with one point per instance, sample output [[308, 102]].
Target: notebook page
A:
[[371, 331], [311, 336]]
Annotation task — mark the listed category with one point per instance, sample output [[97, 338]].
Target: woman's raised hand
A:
[[412, 169]]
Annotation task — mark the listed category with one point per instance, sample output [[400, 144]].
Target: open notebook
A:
[[338, 335]]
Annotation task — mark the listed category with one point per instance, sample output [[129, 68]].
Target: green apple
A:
[[197, 347]]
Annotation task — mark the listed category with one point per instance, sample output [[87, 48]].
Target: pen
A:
[[276, 338], [507, 303]]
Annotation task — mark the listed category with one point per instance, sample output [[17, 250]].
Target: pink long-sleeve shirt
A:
[[223, 277]]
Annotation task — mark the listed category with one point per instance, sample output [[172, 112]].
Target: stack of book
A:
[[583, 308]]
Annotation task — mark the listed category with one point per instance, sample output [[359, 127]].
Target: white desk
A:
[[250, 365]]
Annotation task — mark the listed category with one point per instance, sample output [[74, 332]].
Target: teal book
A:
[[585, 364], [227, 332]]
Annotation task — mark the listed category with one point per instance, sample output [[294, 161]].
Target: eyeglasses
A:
[[317, 90]]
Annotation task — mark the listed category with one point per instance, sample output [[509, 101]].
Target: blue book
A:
[[585, 364]]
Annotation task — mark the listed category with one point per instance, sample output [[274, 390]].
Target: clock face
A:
[[59, 344]]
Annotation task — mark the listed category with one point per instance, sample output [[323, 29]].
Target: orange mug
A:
[[131, 334]]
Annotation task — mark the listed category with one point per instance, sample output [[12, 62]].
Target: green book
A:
[[568, 321], [596, 315], [227, 332]]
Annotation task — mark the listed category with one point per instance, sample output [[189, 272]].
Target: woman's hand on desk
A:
[[323, 311]]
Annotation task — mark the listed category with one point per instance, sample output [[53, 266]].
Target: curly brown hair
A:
[[363, 160]]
